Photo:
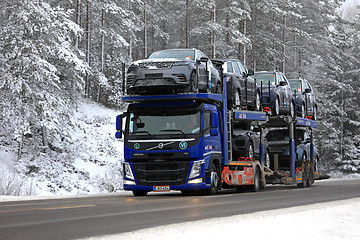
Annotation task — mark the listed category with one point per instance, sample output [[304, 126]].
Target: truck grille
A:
[[161, 173]]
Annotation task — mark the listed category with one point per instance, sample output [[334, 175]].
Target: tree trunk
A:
[[102, 51], [88, 44], [187, 25], [244, 45], [145, 32], [283, 45], [212, 32]]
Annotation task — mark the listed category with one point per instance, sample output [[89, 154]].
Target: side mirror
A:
[[250, 73], [283, 83], [308, 90], [214, 120], [214, 132], [119, 119], [204, 59]]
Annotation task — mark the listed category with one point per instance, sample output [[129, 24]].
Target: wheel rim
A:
[[277, 106], [267, 160], [303, 111], [214, 179], [257, 181], [292, 110], [257, 102], [237, 98], [251, 151]]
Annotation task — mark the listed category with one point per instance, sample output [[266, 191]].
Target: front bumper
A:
[[177, 77], [195, 186]]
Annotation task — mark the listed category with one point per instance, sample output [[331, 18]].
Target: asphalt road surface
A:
[[73, 218]]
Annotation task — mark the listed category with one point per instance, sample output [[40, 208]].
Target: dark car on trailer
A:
[[246, 143], [173, 71], [276, 93], [278, 141], [243, 92], [305, 98]]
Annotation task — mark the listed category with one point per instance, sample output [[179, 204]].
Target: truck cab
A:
[[171, 146]]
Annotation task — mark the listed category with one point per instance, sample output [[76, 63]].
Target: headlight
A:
[[181, 63], [196, 169], [128, 172]]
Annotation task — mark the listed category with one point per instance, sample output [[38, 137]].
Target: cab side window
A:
[[207, 122]]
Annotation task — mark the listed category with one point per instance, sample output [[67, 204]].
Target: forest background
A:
[[55, 54]]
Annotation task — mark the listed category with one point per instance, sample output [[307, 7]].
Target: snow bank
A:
[[330, 221]]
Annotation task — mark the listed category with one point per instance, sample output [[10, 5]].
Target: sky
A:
[[349, 9]]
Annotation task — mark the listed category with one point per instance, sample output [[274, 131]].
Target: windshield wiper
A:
[[175, 130], [145, 132]]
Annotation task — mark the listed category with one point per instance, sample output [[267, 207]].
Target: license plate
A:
[[161, 188]]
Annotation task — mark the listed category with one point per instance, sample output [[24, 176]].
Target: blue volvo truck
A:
[[184, 142]]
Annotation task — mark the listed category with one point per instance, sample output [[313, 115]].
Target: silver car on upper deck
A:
[[173, 71]]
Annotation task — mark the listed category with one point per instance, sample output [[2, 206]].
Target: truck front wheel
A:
[[215, 177]]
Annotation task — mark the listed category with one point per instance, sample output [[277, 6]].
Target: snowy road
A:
[[113, 214]]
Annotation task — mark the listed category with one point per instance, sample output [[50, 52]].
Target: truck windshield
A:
[[178, 54], [163, 124], [265, 78]]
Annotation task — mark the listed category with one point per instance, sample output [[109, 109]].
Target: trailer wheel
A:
[[215, 179], [257, 181], [138, 193], [310, 179], [304, 168]]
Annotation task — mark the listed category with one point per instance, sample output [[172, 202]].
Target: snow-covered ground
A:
[[326, 221]]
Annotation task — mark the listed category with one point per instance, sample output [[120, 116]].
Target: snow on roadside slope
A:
[[330, 221], [84, 159]]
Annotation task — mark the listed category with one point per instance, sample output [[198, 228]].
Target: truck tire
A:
[[215, 176], [138, 193], [304, 168], [257, 181], [310, 179]]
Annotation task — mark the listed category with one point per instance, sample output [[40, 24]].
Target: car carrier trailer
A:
[[162, 153]]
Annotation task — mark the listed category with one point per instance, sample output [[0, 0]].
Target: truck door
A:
[[211, 129]]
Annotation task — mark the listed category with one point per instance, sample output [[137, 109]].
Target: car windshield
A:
[[265, 78], [296, 86], [277, 136], [178, 54], [164, 123]]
